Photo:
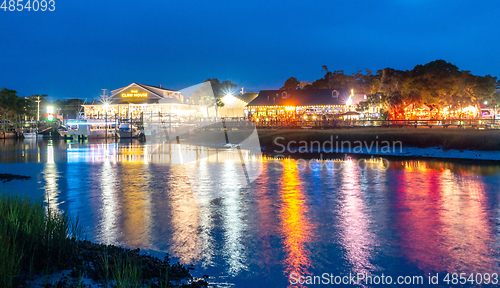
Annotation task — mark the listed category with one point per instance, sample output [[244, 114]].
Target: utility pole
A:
[[103, 96], [38, 109], [37, 115], [25, 110], [104, 99]]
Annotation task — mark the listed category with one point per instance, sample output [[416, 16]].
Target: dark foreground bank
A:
[[4, 177], [36, 242]]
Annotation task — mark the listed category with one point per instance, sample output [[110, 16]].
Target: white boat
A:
[[126, 130], [32, 135], [89, 130]]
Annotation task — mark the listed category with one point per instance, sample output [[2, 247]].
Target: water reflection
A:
[[355, 231], [266, 218], [234, 251], [176, 204], [295, 225], [108, 233], [135, 205], [50, 176], [415, 217], [442, 218]]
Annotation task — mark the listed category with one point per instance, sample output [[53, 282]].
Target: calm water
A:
[[399, 218]]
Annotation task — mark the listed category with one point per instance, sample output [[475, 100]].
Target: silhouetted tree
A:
[[291, 84]]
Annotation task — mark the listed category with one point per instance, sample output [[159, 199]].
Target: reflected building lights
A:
[[296, 227], [265, 216], [443, 222], [50, 176], [468, 231], [136, 205], [190, 227], [428, 215], [108, 234], [232, 217], [201, 197], [356, 234]]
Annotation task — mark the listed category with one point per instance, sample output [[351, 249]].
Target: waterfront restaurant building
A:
[[134, 100], [310, 104]]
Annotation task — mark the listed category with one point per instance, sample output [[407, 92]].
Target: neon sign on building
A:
[[134, 94]]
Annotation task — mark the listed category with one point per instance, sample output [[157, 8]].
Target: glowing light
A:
[[485, 102], [50, 109], [469, 109], [289, 108], [228, 99], [349, 102]]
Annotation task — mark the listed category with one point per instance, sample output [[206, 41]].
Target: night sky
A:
[[85, 46]]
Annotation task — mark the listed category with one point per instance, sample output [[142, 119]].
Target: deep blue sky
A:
[[84, 46]]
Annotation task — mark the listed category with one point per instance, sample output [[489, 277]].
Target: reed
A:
[[36, 241], [29, 233]]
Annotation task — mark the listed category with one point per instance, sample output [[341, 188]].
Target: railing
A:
[[209, 124], [443, 123]]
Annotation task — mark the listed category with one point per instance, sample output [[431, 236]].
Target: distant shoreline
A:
[[396, 142], [6, 177], [409, 152]]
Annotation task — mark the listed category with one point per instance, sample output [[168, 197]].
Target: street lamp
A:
[[50, 113], [229, 100], [349, 102]]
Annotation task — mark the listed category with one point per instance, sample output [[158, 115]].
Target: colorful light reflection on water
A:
[[413, 218]]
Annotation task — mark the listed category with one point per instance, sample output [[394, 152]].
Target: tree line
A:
[[438, 84], [15, 107]]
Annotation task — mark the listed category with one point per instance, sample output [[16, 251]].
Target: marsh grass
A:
[[36, 241], [29, 233], [126, 273]]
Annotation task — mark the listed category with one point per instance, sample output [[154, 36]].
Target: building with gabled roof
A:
[[135, 100], [277, 104]]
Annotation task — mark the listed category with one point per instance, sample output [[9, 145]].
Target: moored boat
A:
[[88, 130], [7, 135], [126, 130], [32, 135]]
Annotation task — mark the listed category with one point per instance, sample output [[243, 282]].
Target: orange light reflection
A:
[[296, 227]]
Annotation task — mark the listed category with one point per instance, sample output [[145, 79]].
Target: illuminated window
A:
[[335, 94]]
